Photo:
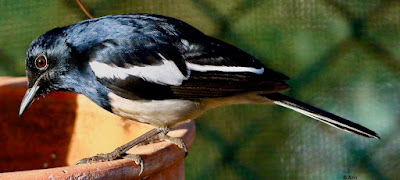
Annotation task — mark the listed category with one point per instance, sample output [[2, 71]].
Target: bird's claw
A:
[[137, 159]]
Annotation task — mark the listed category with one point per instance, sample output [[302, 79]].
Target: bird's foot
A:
[[113, 156], [164, 137], [177, 141]]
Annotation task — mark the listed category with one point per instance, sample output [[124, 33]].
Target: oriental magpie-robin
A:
[[156, 70]]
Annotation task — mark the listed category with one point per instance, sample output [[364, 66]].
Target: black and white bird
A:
[[156, 70]]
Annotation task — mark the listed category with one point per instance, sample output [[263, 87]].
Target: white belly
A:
[[159, 113]]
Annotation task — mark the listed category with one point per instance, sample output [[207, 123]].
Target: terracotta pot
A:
[[63, 127]]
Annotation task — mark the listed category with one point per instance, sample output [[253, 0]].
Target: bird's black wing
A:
[[219, 69], [175, 61]]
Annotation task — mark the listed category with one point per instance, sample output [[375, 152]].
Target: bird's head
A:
[[46, 65]]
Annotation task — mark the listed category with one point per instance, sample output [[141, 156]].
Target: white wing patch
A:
[[166, 74], [205, 68]]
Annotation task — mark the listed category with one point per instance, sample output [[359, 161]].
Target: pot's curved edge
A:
[[156, 157]]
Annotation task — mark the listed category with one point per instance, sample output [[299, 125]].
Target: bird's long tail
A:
[[321, 115]]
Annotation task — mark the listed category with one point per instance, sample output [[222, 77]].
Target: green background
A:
[[341, 55]]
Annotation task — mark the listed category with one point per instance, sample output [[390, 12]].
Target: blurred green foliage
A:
[[342, 56]]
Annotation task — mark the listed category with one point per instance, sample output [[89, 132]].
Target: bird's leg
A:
[[120, 152]]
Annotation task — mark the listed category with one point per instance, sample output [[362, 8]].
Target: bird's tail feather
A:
[[320, 115]]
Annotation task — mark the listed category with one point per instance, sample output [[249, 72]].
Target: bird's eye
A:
[[41, 62]]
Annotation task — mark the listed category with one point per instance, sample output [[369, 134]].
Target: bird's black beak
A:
[[28, 98]]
